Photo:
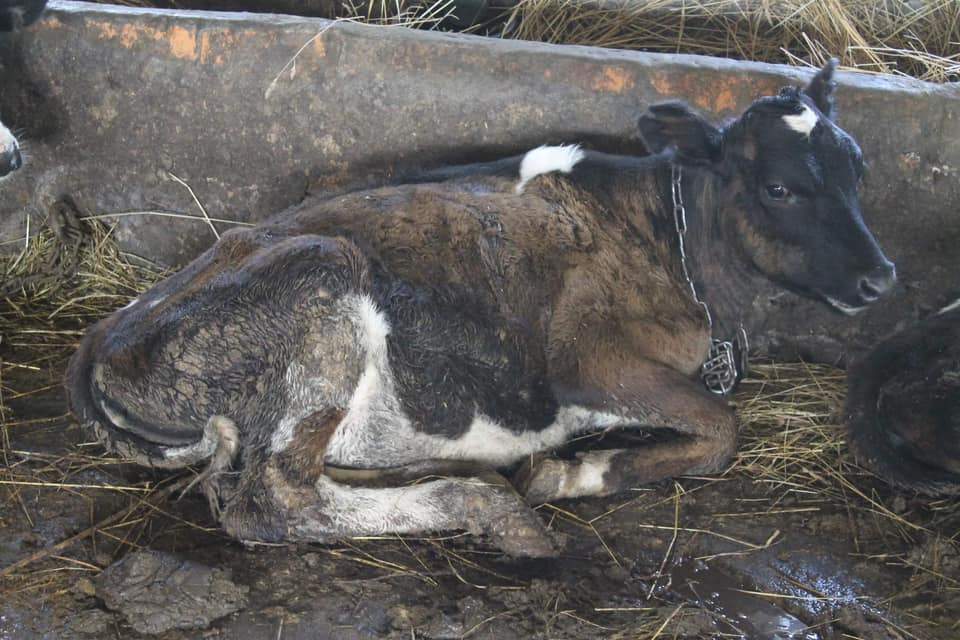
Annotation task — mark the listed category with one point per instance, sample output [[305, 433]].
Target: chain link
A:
[[719, 372]]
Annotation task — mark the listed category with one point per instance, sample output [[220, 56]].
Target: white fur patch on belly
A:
[[376, 433], [489, 442], [803, 122], [546, 159]]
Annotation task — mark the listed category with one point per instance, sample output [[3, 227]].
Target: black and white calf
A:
[[11, 157], [15, 15], [438, 332]]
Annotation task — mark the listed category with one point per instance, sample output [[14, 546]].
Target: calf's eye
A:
[[777, 191]]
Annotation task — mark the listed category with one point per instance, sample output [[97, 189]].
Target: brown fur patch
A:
[[303, 459]]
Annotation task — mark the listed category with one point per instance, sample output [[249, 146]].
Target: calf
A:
[[903, 406], [15, 15], [324, 360]]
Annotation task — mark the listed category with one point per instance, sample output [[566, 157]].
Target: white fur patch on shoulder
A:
[[546, 159], [804, 122]]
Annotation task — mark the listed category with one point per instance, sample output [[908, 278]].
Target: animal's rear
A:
[[214, 340], [903, 406]]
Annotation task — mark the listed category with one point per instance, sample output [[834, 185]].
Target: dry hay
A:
[[793, 441], [791, 444], [414, 14], [919, 38], [47, 299]]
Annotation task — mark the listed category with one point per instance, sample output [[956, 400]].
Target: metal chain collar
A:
[[720, 372]]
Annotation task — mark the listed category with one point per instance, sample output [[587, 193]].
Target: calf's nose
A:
[[10, 160], [878, 281]]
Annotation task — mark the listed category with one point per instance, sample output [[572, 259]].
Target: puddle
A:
[[748, 616]]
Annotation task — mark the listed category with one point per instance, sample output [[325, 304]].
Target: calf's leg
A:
[[650, 397], [326, 510]]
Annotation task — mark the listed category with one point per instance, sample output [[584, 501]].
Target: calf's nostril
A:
[[869, 290], [878, 282]]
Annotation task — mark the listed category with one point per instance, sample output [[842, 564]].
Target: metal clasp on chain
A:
[[727, 362]]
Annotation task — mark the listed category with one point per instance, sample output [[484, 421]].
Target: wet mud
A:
[[700, 558], [157, 592]]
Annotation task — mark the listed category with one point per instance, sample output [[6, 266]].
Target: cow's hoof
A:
[[542, 481], [522, 534]]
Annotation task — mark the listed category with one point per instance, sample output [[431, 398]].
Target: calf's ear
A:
[[821, 89], [673, 125]]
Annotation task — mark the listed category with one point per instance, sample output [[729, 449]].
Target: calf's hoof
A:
[[556, 479], [542, 480], [521, 534]]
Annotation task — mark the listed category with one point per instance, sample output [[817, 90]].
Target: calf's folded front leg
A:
[[647, 397]]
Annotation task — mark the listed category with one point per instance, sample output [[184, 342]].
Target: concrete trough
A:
[[254, 111]]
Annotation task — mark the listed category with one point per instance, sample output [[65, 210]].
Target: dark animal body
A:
[[472, 321], [903, 406], [15, 15]]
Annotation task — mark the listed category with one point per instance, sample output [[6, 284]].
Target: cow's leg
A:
[[396, 476], [485, 504], [648, 397], [272, 505]]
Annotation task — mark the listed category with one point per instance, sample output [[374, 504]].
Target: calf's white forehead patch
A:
[[803, 122], [545, 159]]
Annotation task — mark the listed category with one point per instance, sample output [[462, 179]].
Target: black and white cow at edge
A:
[[14, 15], [372, 362]]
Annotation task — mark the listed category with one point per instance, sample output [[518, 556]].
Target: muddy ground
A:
[[751, 554]]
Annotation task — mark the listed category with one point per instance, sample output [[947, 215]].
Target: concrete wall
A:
[[112, 99]]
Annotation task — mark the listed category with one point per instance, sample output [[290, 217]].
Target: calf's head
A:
[[787, 190], [15, 15], [10, 156]]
